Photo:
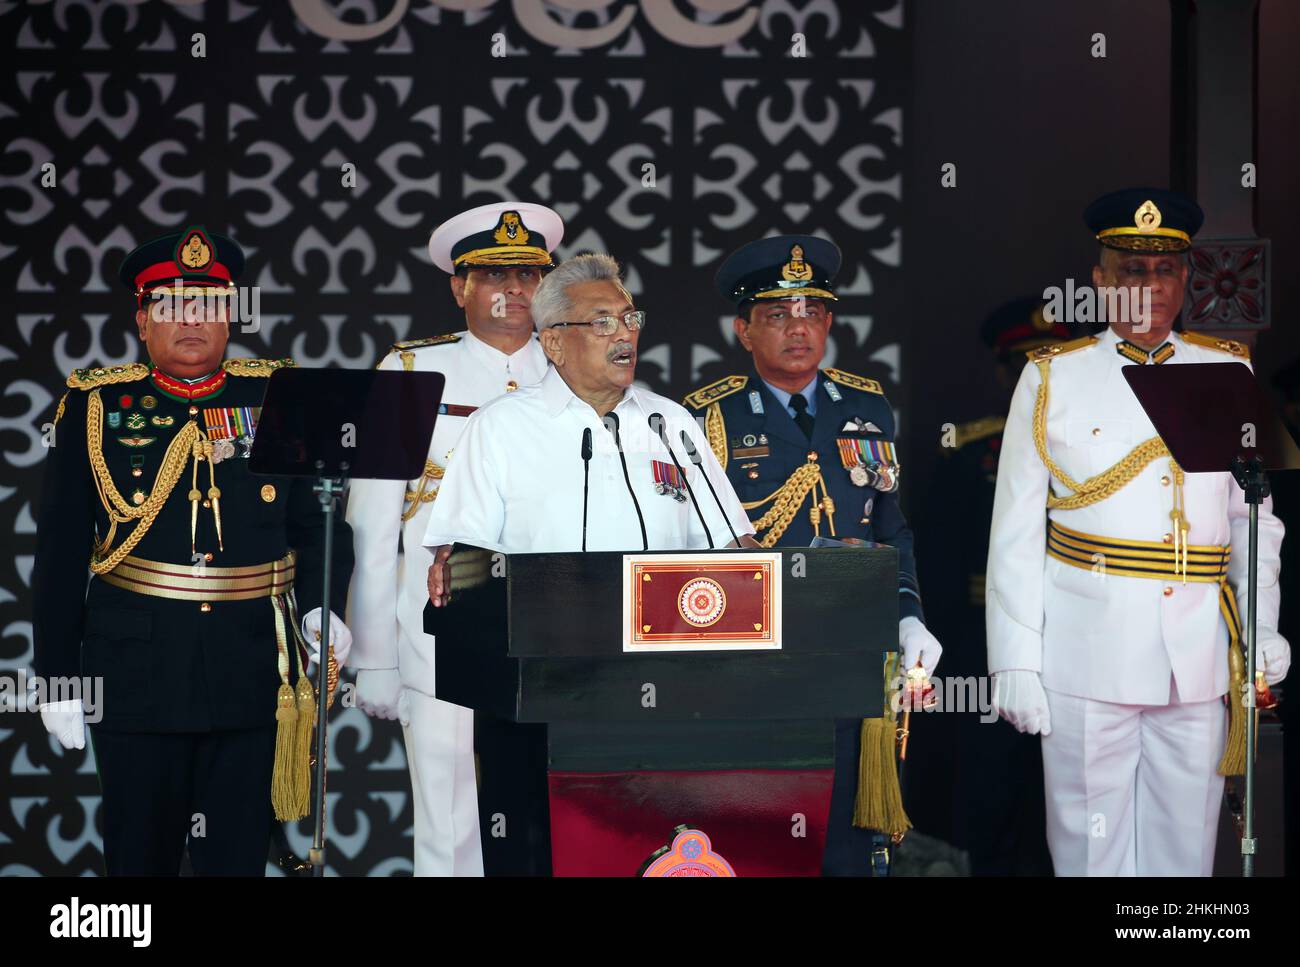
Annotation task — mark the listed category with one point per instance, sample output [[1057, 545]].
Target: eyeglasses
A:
[[608, 325]]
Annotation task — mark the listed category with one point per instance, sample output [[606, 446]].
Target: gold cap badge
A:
[[195, 252], [796, 270], [1147, 218], [510, 230]]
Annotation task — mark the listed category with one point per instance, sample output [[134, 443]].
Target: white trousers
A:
[[1133, 790], [440, 751]]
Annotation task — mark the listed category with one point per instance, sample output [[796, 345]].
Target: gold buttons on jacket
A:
[[194, 411], [1168, 591], [268, 493], [1168, 538], [205, 607], [511, 386], [207, 556], [812, 456], [1096, 431], [1164, 481]]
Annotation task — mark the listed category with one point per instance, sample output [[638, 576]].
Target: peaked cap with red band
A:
[[200, 261]]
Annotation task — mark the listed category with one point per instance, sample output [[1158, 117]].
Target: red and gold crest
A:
[[195, 253], [701, 602]]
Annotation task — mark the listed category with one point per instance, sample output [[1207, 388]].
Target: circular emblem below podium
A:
[[691, 854], [701, 602]]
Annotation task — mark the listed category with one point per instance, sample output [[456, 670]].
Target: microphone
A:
[[694, 456], [657, 425], [611, 424], [586, 472]]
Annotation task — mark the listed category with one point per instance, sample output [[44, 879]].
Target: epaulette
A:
[[106, 375], [406, 349], [421, 343], [724, 387], [980, 429], [255, 367], [855, 382], [1052, 350], [1230, 346]]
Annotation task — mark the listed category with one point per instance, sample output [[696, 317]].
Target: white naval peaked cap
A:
[[503, 233]]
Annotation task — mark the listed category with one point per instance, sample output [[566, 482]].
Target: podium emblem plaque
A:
[[701, 602]]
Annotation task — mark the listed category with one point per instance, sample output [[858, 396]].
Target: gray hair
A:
[[551, 303]]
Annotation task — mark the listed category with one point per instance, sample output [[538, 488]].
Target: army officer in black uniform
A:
[[190, 630]]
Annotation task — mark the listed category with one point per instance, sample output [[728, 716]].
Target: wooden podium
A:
[[684, 688]]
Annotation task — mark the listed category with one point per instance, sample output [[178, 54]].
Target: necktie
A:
[[804, 420]]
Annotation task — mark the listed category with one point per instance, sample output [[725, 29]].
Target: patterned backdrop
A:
[[745, 138]]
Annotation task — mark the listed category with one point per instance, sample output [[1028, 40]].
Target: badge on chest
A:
[[231, 430], [870, 462], [668, 481]]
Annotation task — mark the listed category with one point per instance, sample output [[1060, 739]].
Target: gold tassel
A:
[[1233, 762], [879, 802], [302, 745], [282, 778]]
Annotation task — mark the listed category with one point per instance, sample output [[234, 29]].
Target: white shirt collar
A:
[[556, 395], [496, 356]]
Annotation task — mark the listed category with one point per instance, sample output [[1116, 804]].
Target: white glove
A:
[[66, 721], [918, 645], [340, 636], [1272, 655], [1019, 698], [380, 694]]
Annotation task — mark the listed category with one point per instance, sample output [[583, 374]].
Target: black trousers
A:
[[849, 851], [160, 791], [513, 790]]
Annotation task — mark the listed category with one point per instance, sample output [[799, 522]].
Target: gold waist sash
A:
[[1206, 563], [1203, 563], [183, 582]]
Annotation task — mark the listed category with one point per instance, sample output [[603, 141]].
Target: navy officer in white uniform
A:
[[495, 256]]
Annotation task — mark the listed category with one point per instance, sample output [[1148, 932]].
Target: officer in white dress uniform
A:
[[516, 481], [1109, 597], [496, 256]]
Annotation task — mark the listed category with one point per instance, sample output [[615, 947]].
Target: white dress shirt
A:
[[1106, 637], [388, 592], [515, 483]]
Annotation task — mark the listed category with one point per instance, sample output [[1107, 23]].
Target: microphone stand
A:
[[657, 418], [693, 455], [611, 424], [586, 473], [1254, 484], [329, 490]]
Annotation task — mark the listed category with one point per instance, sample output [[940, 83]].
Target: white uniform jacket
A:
[[388, 594], [1095, 635]]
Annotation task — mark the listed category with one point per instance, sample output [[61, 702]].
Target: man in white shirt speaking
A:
[[583, 442]]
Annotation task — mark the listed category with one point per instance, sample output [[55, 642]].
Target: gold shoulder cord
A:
[[1111, 480], [788, 498], [715, 429], [423, 495], [119, 511]]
